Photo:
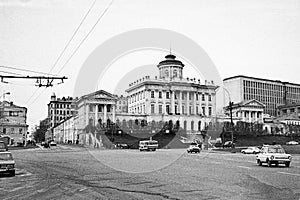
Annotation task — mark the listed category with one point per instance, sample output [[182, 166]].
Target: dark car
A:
[[122, 146], [193, 148], [7, 163], [228, 144]]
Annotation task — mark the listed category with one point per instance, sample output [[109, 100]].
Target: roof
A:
[[100, 93], [260, 79], [246, 102]]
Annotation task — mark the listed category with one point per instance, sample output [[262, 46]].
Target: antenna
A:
[[170, 49]]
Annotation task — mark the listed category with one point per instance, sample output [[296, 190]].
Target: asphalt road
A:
[[67, 172]]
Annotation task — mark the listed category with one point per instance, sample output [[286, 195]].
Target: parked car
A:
[[122, 146], [52, 143], [3, 146], [273, 154], [193, 148], [228, 144], [292, 143], [7, 163], [250, 150]]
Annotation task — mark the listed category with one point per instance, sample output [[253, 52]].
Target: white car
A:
[[251, 150], [292, 143], [193, 148], [273, 154]]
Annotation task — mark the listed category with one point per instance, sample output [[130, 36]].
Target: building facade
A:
[[289, 109], [271, 93], [170, 96], [60, 109], [121, 104], [13, 122], [251, 111]]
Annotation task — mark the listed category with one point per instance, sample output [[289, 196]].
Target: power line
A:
[[11, 73], [68, 43], [82, 41], [66, 46], [26, 70]]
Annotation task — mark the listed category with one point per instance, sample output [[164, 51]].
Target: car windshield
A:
[[6, 156], [276, 150]]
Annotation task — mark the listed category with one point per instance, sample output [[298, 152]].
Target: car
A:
[[250, 150], [273, 154], [3, 146], [193, 148], [122, 146], [292, 143], [7, 163], [228, 144], [52, 143]]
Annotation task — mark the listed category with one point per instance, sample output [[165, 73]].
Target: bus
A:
[[148, 145]]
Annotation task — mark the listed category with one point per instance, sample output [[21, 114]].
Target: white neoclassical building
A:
[[250, 111], [99, 106], [170, 96]]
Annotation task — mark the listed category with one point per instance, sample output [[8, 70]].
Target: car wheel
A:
[[269, 163], [287, 164], [259, 162]]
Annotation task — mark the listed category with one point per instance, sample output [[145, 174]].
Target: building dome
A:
[[170, 68]]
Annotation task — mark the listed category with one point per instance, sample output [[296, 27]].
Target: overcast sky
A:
[[257, 38]]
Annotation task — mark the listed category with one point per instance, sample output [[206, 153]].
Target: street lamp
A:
[[5, 93], [230, 111]]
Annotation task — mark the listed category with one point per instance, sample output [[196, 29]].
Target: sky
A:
[[257, 38]]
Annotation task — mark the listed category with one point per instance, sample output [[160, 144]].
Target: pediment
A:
[[253, 103]]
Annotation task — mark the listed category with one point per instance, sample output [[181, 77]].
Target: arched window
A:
[[184, 125], [192, 125], [199, 125]]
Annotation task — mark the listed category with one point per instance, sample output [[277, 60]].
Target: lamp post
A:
[[230, 111], [5, 93]]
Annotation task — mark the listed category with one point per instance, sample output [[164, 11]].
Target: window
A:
[[175, 95], [203, 97], [91, 108], [209, 111], [197, 97], [209, 97], [190, 109], [12, 130], [175, 73], [203, 110], [192, 125], [167, 95], [160, 109], [160, 95], [20, 130], [152, 94], [168, 109], [183, 110], [182, 96], [4, 130], [190, 96], [197, 110], [152, 108]]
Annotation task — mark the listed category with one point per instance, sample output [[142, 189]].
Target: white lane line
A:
[[244, 167], [289, 173]]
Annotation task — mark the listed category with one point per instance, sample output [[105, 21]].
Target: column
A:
[[172, 109], [180, 102], [113, 113], [188, 103], [96, 114], [86, 114], [249, 116], [195, 105], [105, 114]]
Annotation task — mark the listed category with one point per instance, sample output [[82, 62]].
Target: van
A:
[[148, 145]]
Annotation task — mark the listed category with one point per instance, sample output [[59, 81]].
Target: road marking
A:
[[289, 173], [244, 167]]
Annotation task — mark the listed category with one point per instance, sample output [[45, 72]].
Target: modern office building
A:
[[60, 109], [13, 122], [272, 93]]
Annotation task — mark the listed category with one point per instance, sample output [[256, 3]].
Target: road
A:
[[68, 172]]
